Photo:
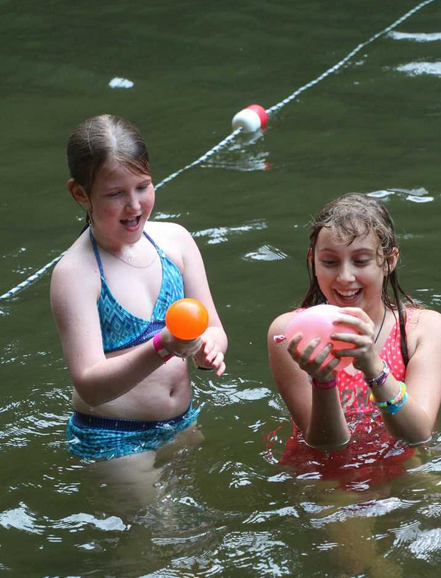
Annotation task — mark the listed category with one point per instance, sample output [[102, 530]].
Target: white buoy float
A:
[[251, 118]]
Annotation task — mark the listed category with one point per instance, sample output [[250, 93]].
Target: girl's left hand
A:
[[210, 356], [365, 356]]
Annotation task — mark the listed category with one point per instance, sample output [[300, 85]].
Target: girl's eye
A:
[[144, 186], [362, 261], [328, 261]]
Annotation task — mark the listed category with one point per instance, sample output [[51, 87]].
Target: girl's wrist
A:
[[161, 349], [377, 377], [331, 384]]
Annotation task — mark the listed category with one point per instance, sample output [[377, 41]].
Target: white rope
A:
[[347, 57], [31, 279], [233, 135]]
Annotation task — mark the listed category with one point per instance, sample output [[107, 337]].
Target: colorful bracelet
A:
[[324, 384], [160, 349], [394, 408], [396, 403], [380, 379]]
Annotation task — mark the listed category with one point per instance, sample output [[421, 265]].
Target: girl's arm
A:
[[97, 379], [316, 412], [416, 419], [214, 340]]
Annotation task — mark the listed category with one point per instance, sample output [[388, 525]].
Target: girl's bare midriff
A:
[[164, 394]]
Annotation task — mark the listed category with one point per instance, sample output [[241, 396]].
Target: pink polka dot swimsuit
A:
[[354, 392], [372, 456]]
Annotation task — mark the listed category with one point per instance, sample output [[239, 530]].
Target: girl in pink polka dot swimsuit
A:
[[358, 425]]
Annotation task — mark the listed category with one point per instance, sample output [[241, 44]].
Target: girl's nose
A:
[[345, 273], [133, 202]]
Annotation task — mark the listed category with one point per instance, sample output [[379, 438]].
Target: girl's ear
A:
[[78, 193], [393, 259], [310, 258]]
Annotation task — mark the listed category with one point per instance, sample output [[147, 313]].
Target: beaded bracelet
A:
[[380, 379], [396, 403]]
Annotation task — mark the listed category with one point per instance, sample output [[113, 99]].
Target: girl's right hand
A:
[[180, 347], [313, 365]]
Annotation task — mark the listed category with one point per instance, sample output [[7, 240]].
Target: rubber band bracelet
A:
[[380, 379], [397, 406], [325, 384], [398, 397], [396, 403], [161, 350]]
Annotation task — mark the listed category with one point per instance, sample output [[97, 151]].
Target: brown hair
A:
[[355, 215], [105, 138]]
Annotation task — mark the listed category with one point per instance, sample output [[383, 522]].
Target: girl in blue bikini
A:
[[109, 296]]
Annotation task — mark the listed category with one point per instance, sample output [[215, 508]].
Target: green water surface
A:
[[225, 508]]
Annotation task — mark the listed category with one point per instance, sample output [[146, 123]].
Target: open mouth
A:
[[131, 223], [348, 296]]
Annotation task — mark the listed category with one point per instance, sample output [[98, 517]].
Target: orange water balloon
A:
[[186, 318]]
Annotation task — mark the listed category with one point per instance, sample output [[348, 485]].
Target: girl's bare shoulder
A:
[[278, 326], [166, 231], [424, 324], [424, 318], [78, 262]]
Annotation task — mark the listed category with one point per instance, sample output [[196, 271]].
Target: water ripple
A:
[[363, 510], [245, 162], [264, 516], [222, 234], [419, 68], [266, 253], [79, 521], [427, 546], [21, 519], [416, 36], [418, 195]]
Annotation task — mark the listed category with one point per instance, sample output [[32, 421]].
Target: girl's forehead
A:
[[113, 170], [332, 238]]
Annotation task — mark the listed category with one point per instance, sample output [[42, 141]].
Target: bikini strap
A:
[[159, 250], [97, 253], [409, 314]]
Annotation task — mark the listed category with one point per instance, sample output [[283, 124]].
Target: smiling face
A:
[[350, 275], [119, 204]]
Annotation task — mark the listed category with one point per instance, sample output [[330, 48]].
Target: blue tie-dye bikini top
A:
[[121, 329]]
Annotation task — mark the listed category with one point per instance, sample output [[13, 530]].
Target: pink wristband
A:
[[160, 349], [324, 384]]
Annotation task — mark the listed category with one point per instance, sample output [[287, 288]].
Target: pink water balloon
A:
[[317, 321]]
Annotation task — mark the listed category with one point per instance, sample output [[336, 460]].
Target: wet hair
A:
[[349, 217], [104, 138]]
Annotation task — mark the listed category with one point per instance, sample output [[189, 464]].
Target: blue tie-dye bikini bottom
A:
[[94, 437]]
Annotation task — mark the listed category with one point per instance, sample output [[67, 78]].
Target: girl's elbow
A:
[[88, 397], [87, 392], [417, 440]]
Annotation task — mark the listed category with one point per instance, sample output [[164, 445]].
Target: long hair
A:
[[104, 138], [354, 215]]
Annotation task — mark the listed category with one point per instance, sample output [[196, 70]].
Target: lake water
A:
[[224, 508]]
